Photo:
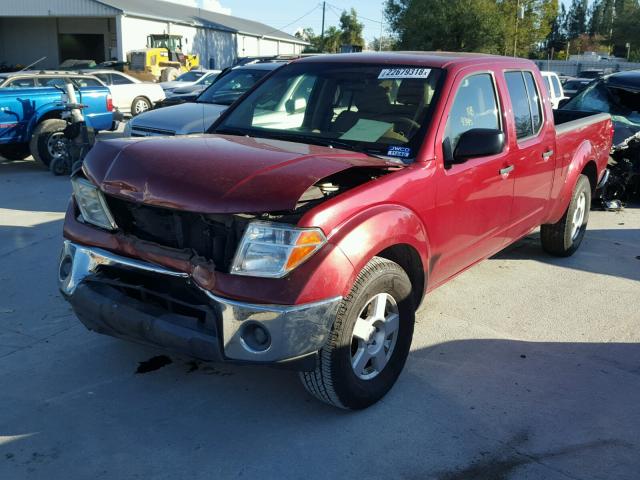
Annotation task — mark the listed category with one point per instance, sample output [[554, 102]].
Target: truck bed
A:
[[569, 120]]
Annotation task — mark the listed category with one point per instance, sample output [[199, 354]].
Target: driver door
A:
[[474, 198]]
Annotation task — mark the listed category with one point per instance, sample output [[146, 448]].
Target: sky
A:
[[285, 14]]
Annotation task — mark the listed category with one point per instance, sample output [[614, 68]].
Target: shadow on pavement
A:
[[469, 409], [607, 252]]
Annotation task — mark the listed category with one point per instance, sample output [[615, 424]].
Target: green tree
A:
[[351, 29], [576, 22], [626, 29], [387, 44], [332, 42], [472, 25], [457, 25]]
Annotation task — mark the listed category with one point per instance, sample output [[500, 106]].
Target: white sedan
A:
[[130, 95]]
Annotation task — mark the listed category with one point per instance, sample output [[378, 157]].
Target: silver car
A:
[[198, 116]]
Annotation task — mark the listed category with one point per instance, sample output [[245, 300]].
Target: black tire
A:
[[169, 74], [15, 151], [59, 166], [40, 138], [562, 239], [334, 381], [140, 105]]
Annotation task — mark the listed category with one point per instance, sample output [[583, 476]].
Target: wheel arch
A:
[[582, 162], [408, 258], [393, 232]]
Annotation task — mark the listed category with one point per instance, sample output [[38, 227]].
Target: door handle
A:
[[506, 170], [547, 154]]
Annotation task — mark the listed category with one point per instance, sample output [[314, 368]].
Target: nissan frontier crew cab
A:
[[308, 239]]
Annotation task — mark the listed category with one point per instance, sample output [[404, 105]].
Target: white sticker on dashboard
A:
[[387, 73]]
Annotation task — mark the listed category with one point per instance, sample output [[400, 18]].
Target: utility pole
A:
[[519, 16], [381, 25], [324, 6]]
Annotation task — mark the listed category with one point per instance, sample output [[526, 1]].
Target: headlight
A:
[[273, 250], [127, 129], [92, 205]]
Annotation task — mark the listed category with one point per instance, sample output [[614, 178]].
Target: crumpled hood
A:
[[216, 173], [182, 119]]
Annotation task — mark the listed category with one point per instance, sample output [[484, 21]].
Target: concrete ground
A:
[[524, 367]]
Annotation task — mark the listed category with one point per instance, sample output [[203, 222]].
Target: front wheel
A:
[[564, 237], [369, 341], [48, 141]]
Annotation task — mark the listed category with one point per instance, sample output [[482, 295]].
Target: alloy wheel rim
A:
[[374, 336], [57, 145], [141, 106], [578, 215]]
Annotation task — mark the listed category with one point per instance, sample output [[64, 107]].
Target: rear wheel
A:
[[563, 238], [369, 341], [15, 151], [48, 140], [139, 105]]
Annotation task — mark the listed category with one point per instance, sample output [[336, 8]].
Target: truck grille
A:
[[138, 60], [214, 237]]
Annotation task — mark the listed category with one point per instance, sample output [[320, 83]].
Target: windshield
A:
[[190, 76], [231, 86], [372, 108]]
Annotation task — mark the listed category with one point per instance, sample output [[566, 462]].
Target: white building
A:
[[107, 29]]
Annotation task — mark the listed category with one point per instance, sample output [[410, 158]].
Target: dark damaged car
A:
[[306, 228], [619, 95]]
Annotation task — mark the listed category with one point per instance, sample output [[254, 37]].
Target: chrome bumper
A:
[[283, 332]]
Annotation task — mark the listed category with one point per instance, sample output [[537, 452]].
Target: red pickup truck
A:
[[306, 227]]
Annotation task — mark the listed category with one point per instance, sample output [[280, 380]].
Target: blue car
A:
[[31, 111]]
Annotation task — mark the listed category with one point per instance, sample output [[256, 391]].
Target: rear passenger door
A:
[[473, 198], [532, 147]]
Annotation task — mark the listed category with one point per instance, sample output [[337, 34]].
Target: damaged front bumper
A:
[[148, 303]]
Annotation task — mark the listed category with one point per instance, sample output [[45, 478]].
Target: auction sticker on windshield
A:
[[387, 73]]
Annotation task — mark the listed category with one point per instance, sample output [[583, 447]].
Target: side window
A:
[[547, 81], [86, 82], [535, 103], [21, 83], [525, 100], [119, 79], [105, 77], [52, 82], [556, 85], [475, 106]]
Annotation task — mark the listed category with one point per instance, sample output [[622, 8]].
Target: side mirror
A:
[[478, 142], [563, 102]]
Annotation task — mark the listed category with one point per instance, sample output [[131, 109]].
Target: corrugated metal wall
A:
[[55, 8]]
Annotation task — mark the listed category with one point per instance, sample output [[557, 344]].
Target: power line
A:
[[359, 16], [295, 21]]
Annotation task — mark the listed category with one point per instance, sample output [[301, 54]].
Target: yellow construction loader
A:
[[162, 59]]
